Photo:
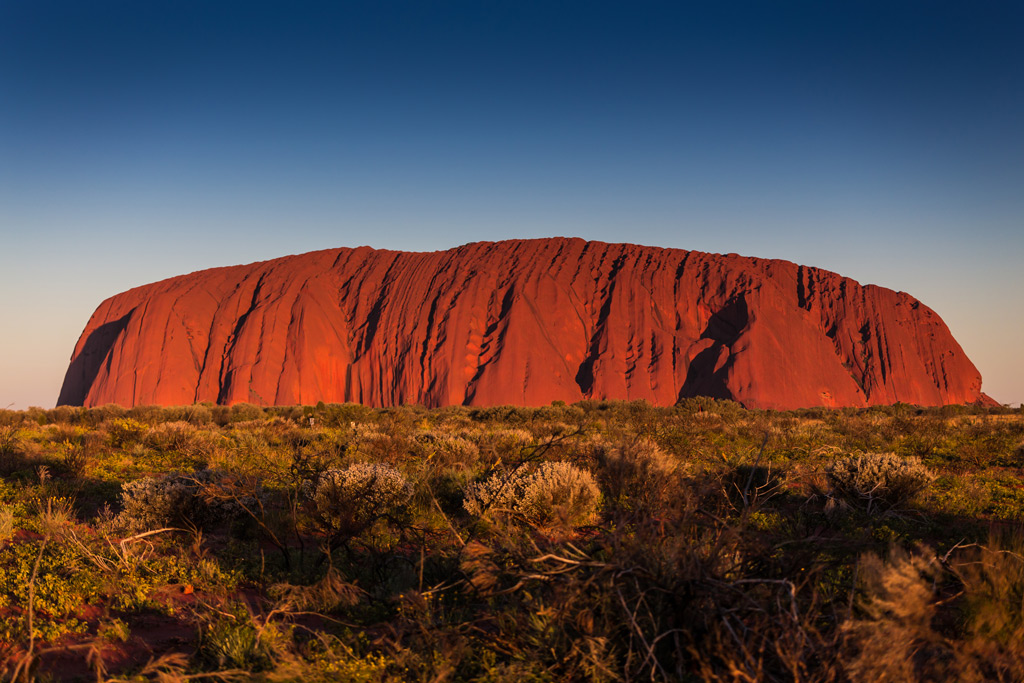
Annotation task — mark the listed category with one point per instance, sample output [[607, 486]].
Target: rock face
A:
[[518, 322]]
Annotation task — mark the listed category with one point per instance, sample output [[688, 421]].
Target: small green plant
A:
[[114, 630], [74, 459], [10, 448], [234, 639]]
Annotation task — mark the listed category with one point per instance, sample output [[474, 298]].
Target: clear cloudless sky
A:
[[145, 139]]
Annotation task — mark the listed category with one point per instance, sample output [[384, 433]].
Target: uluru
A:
[[522, 322]]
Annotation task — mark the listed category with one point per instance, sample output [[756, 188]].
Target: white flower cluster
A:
[[553, 488]]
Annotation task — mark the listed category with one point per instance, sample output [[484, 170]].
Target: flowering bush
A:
[[555, 490]]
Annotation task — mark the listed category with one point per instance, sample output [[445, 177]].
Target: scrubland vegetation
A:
[[597, 541]]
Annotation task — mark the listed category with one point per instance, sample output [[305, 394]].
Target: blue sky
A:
[[140, 140]]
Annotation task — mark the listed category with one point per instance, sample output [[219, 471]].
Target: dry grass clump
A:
[[636, 473], [378, 443], [924, 617], [180, 439], [553, 492], [877, 482], [992, 577], [897, 613], [446, 450], [11, 453], [497, 443]]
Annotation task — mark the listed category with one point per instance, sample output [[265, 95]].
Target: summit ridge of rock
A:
[[523, 322]]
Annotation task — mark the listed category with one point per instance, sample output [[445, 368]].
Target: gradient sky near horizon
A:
[[141, 140]]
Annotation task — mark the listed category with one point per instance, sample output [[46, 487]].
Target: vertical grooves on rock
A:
[[227, 376], [585, 375]]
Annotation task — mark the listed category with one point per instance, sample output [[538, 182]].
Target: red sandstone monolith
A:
[[521, 322]]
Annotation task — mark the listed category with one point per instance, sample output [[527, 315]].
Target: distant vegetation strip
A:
[[608, 541]]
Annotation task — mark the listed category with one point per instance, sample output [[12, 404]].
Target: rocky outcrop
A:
[[518, 322]]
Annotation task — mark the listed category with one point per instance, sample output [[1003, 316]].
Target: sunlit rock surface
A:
[[518, 322]]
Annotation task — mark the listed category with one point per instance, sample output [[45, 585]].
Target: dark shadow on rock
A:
[[701, 378], [724, 328], [86, 365]]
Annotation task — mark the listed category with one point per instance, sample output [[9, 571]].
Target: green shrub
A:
[[245, 412], [63, 584], [124, 431], [877, 482]]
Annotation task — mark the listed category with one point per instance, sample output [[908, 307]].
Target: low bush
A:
[[182, 443], [553, 492], [446, 450], [203, 498], [497, 443], [877, 482], [124, 431], [637, 474], [345, 502], [10, 448]]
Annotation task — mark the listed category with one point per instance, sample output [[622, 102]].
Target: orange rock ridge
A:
[[522, 322]]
